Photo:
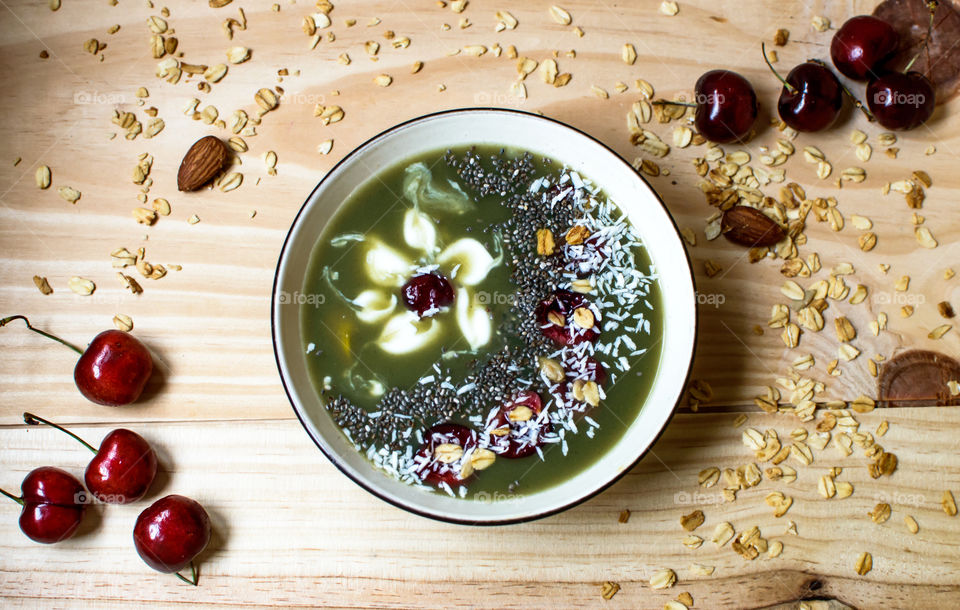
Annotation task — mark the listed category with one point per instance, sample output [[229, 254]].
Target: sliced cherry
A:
[[434, 471], [512, 433], [587, 258], [563, 193], [427, 293], [587, 368], [555, 317]]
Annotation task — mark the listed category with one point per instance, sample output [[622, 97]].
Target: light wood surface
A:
[[289, 529]]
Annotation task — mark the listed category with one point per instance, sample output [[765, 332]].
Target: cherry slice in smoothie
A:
[[587, 368], [556, 319], [427, 293], [587, 258], [516, 430], [434, 466]]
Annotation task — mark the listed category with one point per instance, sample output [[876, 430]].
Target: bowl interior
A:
[[540, 136]]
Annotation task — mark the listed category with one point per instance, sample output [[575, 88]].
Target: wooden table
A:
[[289, 528]]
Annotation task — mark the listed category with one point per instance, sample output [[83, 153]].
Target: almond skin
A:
[[750, 227], [201, 163]]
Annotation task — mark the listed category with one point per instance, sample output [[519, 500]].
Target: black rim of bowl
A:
[[333, 458]]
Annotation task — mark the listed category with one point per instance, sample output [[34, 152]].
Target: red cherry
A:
[[585, 368], [726, 106], [122, 469], [427, 293], [862, 45], [811, 97], [561, 306], [433, 471], [901, 101], [53, 503], [112, 371], [523, 437], [171, 532]]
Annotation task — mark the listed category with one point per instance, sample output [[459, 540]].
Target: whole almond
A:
[[750, 227], [201, 163]]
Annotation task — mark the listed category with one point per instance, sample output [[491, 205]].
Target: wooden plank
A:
[[290, 529], [208, 324]]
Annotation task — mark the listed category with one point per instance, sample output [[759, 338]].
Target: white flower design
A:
[[465, 263]]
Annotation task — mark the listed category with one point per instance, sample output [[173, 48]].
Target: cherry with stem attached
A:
[[811, 98], [112, 371], [122, 469], [904, 100], [53, 502], [726, 106], [170, 533]]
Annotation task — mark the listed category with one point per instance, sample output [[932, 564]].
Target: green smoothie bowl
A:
[[483, 316]]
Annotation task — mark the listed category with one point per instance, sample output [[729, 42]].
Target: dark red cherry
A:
[[427, 293], [901, 101], [726, 106], [122, 469], [556, 321], [587, 258], [53, 502], [559, 194], [171, 532], [432, 469], [512, 434], [811, 99], [112, 371], [861, 46]]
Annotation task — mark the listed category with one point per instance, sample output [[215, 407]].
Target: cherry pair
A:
[[54, 501], [862, 49]]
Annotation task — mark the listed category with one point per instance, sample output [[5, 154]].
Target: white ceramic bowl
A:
[[541, 136]]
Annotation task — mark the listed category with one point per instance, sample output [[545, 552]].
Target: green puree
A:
[[346, 357]]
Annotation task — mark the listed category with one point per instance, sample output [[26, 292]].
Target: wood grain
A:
[[289, 528]]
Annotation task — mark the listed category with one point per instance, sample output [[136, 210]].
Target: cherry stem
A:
[[9, 319], [856, 102], [193, 570], [932, 6], [788, 86], [673, 103], [12, 497], [33, 420]]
